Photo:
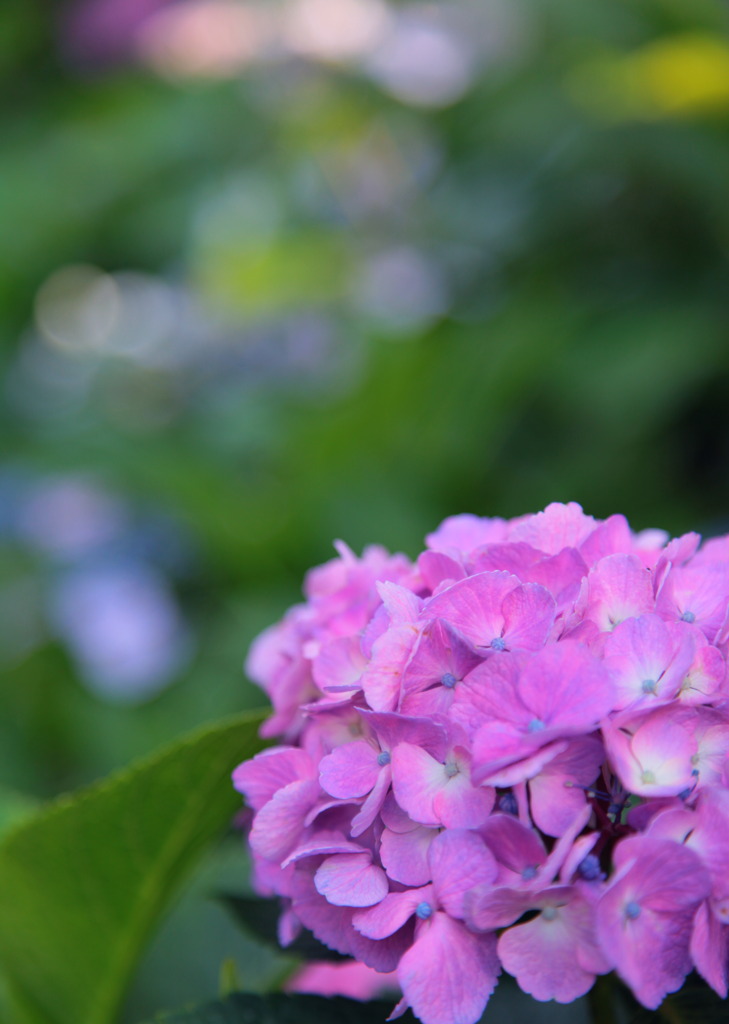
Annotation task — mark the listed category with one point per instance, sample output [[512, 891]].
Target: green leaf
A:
[[14, 806], [245, 1008], [84, 881], [260, 918]]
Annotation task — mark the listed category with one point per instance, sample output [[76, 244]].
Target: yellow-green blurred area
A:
[[274, 272]]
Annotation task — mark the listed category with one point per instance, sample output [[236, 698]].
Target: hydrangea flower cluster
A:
[[511, 754]]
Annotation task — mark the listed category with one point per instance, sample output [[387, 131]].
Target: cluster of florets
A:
[[510, 754]]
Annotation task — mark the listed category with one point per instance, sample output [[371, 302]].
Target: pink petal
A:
[[260, 778], [543, 953], [618, 588], [404, 855], [557, 527], [449, 973], [391, 913], [645, 918], [473, 605], [278, 825], [528, 617], [351, 880], [417, 778], [710, 949], [460, 861], [459, 535], [381, 679], [351, 770]]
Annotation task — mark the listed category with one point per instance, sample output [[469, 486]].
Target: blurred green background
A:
[[276, 273]]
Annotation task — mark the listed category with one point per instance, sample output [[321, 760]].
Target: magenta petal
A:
[[460, 860], [449, 973], [351, 770], [351, 880]]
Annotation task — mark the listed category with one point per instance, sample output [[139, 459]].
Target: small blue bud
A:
[[508, 804], [529, 872], [589, 868], [498, 644], [632, 910], [688, 617], [383, 758], [448, 680], [648, 686], [536, 725], [423, 911]]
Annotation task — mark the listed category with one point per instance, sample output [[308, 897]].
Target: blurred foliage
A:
[[478, 263]]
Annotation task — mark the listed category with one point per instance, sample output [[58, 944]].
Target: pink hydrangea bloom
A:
[[512, 753]]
